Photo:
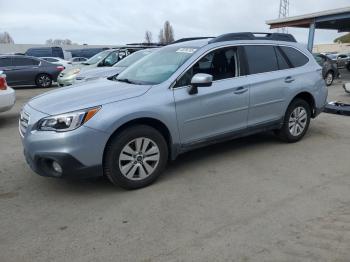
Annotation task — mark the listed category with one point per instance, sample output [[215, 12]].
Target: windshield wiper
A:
[[125, 80]]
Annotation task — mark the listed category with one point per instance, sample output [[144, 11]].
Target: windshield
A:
[[156, 67], [129, 60], [97, 58]]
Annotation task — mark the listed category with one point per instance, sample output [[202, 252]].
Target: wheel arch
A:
[[149, 121], [309, 98]]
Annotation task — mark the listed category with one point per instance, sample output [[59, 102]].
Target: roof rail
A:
[[190, 39], [253, 36]]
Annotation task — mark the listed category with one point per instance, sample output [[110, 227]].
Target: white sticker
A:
[[186, 50]]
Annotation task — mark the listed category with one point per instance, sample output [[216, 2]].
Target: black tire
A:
[[112, 161], [329, 78], [285, 133], [348, 66], [43, 81]]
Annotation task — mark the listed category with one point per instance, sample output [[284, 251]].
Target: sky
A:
[[125, 21]]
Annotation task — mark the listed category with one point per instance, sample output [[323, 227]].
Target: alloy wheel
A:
[[297, 121], [139, 158]]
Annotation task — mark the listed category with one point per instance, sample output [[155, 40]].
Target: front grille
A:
[[23, 122]]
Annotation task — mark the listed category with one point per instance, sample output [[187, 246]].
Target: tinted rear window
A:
[[6, 61], [22, 61], [283, 62], [39, 52], [261, 59], [295, 57]]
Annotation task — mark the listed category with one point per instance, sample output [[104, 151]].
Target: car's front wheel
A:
[[43, 81], [136, 157], [296, 121], [329, 78]]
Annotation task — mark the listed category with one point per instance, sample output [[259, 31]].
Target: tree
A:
[[161, 37], [343, 39], [148, 37], [166, 35], [5, 38]]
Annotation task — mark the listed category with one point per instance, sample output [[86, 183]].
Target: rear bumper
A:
[[7, 99], [65, 81]]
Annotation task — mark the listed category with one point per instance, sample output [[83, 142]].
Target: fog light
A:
[[56, 166]]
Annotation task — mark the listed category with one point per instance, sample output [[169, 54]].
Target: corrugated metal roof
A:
[[309, 16]]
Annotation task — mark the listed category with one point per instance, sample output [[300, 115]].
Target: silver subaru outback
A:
[[181, 97]]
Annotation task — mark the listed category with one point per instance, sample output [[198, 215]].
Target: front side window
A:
[[295, 57], [261, 58], [221, 64], [158, 66]]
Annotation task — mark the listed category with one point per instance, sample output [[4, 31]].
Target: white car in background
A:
[[7, 94], [58, 61]]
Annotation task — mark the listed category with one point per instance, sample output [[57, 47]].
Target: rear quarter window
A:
[[295, 57]]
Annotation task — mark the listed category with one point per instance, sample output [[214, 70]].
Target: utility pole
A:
[[283, 13]]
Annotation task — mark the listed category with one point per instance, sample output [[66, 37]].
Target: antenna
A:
[[283, 13]]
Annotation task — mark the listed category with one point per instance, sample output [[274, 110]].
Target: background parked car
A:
[[26, 70], [58, 61], [329, 68], [78, 60], [86, 52], [49, 52], [103, 59], [105, 72], [342, 60], [7, 94]]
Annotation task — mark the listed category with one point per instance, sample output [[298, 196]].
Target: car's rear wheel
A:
[[136, 157], [329, 78], [43, 81], [296, 121]]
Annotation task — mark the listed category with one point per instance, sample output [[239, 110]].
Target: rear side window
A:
[[6, 61], [21, 61], [295, 57], [261, 58]]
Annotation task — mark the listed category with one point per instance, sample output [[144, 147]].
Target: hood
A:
[[85, 95], [100, 72]]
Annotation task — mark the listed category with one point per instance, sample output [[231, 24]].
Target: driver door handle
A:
[[289, 79], [240, 90]]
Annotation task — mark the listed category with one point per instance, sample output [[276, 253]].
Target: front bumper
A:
[[7, 99], [42, 164], [79, 152]]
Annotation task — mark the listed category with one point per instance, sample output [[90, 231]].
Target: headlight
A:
[[74, 71], [68, 121]]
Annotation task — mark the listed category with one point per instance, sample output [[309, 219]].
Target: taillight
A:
[[60, 68], [3, 84]]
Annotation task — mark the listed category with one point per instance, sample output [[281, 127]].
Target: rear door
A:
[[26, 70], [267, 85]]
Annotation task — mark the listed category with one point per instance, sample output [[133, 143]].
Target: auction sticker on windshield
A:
[[186, 50]]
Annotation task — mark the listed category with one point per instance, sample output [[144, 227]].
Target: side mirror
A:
[[199, 80], [100, 64]]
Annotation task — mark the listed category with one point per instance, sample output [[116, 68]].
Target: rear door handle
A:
[[240, 90], [289, 79]]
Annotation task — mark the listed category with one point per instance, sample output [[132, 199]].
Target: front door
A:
[[216, 110]]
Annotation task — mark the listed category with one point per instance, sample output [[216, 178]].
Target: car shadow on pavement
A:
[[8, 119], [186, 161]]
